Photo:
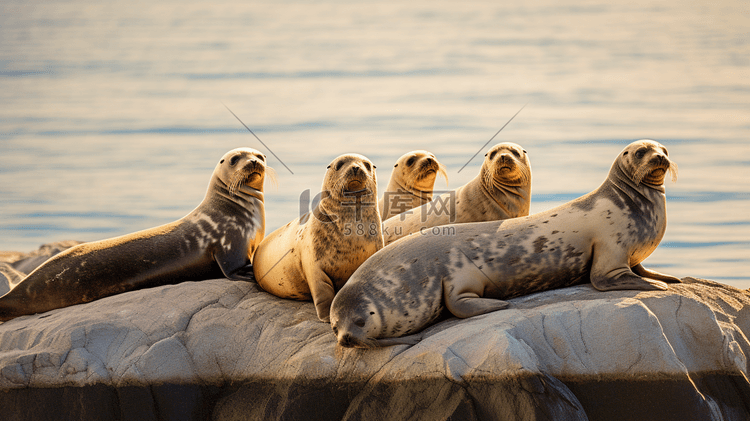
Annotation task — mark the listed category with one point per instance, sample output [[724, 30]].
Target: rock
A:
[[227, 350]]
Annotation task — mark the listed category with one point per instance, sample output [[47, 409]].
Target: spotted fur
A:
[[600, 238], [313, 256]]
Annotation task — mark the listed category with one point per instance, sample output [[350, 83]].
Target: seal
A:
[[601, 238], [217, 239], [314, 255], [411, 183], [501, 190]]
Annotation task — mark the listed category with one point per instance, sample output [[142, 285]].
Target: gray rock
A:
[[227, 350]]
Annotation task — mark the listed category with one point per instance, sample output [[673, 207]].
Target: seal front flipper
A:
[[232, 268], [404, 340], [609, 270], [463, 299], [321, 289], [646, 273], [245, 273]]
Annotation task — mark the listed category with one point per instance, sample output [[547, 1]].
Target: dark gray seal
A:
[[600, 238], [215, 240]]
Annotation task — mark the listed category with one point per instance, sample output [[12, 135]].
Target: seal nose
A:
[[505, 158], [355, 170], [346, 341]]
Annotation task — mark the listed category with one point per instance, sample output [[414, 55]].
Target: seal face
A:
[[314, 255], [501, 190], [216, 239], [601, 238], [411, 183]]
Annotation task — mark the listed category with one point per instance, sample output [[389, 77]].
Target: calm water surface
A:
[[112, 114]]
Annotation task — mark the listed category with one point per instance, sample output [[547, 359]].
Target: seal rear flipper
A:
[[12, 277], [647, 273]]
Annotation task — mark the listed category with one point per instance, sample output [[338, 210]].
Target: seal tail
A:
[[11, 275]]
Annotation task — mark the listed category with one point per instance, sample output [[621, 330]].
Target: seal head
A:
[[646, 162], [411, 183], [506, 175], [242, 170]]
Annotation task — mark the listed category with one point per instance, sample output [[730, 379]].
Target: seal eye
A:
[[367, 165], [640, 152], [492, 155], [339, 165], [410, 162], [515, 152], [359, 323], [233, 160]]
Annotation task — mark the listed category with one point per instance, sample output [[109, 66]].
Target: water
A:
[[112, 114]]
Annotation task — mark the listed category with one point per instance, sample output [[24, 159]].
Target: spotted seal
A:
[[411, 183], [601, 238], [216, 239], [313, 256], [501, 190]]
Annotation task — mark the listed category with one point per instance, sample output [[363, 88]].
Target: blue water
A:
[[113, 115]]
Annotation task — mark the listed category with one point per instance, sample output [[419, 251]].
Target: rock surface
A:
[[227, 350]]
